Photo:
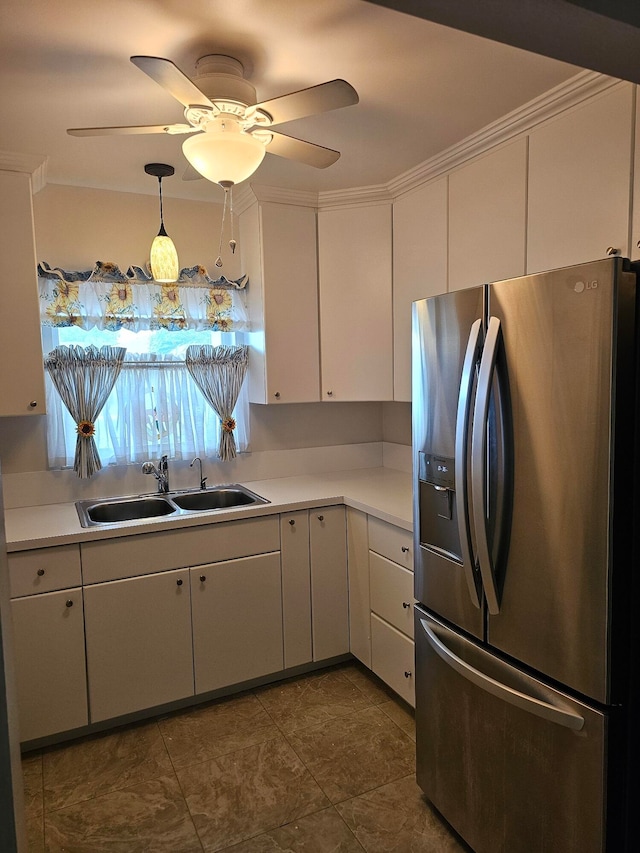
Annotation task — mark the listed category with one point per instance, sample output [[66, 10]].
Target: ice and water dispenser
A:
[[437, 500]]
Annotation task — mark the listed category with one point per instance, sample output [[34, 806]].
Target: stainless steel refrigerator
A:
[[525, 460]]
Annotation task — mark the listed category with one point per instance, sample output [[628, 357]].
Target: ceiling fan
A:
[[229, 133]]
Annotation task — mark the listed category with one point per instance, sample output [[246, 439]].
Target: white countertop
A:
[[382, 492]]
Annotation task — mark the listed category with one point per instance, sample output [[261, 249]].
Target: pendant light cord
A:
[[162, 231]]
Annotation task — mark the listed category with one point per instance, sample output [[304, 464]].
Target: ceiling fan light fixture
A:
[[224, 155], [163, 257]]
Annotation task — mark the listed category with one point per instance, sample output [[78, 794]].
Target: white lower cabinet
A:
[[329, 582], [296, 588], [237, 620], [392, 657], [138, 635], [48, 632]]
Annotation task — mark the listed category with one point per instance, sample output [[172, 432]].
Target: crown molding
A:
[[355, 197], [34, 164], [571, 93], [250, 193]]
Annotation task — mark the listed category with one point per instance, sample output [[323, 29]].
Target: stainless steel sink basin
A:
[[221, 497], [123, 509], [95, 513]]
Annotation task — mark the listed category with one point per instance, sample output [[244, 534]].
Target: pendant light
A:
[[163, 257]]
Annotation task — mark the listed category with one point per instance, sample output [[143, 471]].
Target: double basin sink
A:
[[94, 513]]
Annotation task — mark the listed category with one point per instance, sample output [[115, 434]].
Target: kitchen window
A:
[[155, 407]]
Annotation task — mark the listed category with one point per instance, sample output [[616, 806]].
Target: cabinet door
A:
[[139, 652], [329, 584], [579, 168], [50, 667], [237, 620], [354, 259], [487, 217], [359, 606], [393, 659], [419, 267], [21, 379], [279, 248], [296, 588]]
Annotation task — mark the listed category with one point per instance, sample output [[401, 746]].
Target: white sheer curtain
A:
[[151, 411]]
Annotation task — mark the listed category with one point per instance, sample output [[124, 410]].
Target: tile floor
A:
[[319, 763]]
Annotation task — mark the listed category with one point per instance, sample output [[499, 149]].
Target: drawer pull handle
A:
[[406, 605], [405, 550], [69, 602], [40, 572], [203, 578], [292, 522], [321, 518], [407, 674], [179, 583]]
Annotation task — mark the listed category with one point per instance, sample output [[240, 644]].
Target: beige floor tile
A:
[[396, 817], [402, 715], [226, 726], [151, 816], [104, 763], [356, 753], [322, 832], [244, 793], [33, 802], [373, 688], [311, 699]]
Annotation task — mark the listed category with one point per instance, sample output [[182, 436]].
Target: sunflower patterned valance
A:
[[107, 298]]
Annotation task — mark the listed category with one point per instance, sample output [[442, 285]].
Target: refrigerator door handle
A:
[[461, 456], [479, 461], [554, 714]]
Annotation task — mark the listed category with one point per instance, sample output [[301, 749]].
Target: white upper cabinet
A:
[[21, 370], [419, 267], [487, 217], [279, 255], [354, 252], [579, 183]]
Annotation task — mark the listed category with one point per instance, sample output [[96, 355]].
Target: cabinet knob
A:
[[329, 393], [40, 572], [612, 251], [179, 582], [321, 518], [33, 404], [407, 674], [405, 550], [292, 522], [406, 605], [203, 578], [69, 603], [277, 395]]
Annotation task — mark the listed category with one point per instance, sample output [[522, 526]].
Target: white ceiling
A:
[[422, 86]]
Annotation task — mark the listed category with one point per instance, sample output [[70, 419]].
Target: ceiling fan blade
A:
[[311, 101], [303, 152], [169, 76], [143, 128], [191, 174]]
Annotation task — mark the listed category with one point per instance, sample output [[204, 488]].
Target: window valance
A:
[[106, 298]]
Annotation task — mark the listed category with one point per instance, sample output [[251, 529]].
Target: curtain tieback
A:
[[85, 429], [228, 424]]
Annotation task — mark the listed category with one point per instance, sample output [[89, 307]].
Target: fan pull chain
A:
[[224, 213], [232, 242]]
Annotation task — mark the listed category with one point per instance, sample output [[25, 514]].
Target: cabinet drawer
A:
[[393, 659], [392, 542], [44, 570], [147, 553], [391, 592]]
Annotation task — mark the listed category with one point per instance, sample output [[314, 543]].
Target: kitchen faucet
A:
[[161, 473], [203, 480]]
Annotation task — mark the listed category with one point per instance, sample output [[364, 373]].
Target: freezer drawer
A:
[[527, 777]]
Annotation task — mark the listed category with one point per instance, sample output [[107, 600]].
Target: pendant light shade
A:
[[224, 153], [163, 257]]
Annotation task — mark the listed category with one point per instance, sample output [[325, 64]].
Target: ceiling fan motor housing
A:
[[222, 78]]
